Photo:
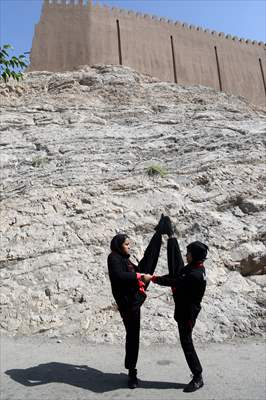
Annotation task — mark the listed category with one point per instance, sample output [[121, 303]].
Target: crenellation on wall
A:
[[124, 12], [120, 11], [90, 4], [62, 4], [132, 13], [57, 3], [107, 10]]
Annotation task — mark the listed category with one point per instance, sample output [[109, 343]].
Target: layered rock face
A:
[[104, 149]]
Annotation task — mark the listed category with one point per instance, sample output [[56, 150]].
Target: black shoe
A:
[[132, 379], [168, 229], [159, 226], [194, 385], [164, 226]]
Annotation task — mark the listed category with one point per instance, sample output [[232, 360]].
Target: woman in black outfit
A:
[[128, 288], [188, 285]]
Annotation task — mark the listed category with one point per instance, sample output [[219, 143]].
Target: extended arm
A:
[[164, 280]]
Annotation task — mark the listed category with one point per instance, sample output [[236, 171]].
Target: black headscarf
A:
[[117, 242], [198, 251]]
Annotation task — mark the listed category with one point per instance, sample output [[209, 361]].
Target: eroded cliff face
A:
[[76, 149]]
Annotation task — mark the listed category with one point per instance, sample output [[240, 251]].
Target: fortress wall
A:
[[79, 33], [240, 69], [145, 47], [195, 57], [61, 40], [142, 45], [103, 37]]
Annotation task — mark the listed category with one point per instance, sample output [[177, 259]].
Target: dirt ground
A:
[[41, 368]]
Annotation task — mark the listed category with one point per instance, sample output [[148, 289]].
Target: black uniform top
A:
[[188, 290], [124, 282]]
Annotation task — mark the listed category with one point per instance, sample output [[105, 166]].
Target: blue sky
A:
[[243, 18]]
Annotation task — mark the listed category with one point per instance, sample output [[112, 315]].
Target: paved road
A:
[[39, 368]]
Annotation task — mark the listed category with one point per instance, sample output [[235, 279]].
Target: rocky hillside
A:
[[88, 153]]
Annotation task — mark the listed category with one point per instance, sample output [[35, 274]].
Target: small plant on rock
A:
[[156, 170], [39, 161]]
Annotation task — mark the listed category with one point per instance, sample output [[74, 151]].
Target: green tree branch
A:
[[11, 67]]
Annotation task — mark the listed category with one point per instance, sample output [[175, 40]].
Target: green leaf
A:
[[5, 53], [5, 76]]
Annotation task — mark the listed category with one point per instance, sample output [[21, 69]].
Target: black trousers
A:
[[174, 257], [131, 320], [185, 327], [131, 317], [185, 333], [149, 261]]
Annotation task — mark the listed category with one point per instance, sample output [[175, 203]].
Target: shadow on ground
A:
[[81, 376]]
